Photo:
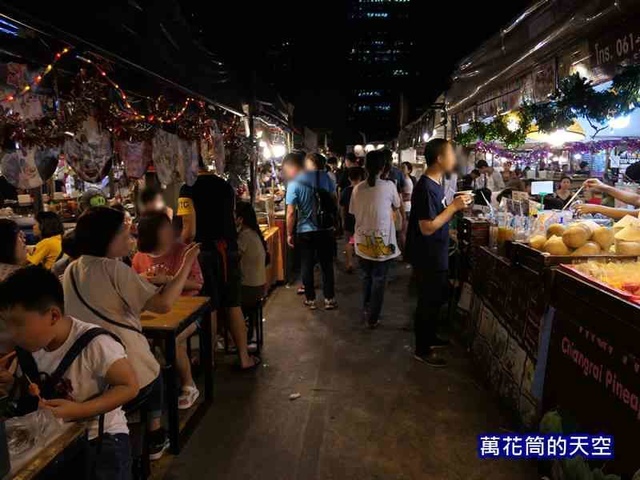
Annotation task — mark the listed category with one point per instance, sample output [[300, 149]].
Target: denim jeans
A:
[[111, 457], [317, 247], [374, 281]]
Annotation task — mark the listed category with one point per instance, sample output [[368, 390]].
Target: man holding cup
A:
[[428, 246]]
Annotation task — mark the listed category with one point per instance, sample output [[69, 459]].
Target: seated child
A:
[[159, 258], [49, 229], [87, 372]]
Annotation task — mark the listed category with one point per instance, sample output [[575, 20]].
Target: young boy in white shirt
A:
[[96, 381]]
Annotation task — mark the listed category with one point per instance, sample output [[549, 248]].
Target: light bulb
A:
[[279, 151], [620, 122]]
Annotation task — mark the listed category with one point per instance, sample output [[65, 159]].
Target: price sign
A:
[[616, 47]]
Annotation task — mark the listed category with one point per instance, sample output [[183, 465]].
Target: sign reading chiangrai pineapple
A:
[[594, 378]]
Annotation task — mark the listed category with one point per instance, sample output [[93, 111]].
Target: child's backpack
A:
[[54, 385]]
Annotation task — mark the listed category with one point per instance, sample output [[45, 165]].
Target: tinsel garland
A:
[[543, 152], [575, 97]]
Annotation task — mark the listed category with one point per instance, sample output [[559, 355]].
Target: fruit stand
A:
[[507, 296]]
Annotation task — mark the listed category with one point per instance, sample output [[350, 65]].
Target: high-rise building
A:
[[382, 67]]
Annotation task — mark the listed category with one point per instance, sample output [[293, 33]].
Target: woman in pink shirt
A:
[[158, 259]]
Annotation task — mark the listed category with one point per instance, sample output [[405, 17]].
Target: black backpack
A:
[[54, 385], [324, 211]]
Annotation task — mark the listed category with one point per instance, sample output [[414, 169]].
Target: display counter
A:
[[507, 298], [592, 374], [502, 327]]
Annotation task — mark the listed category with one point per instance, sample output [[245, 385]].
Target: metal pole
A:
[[252, 139]]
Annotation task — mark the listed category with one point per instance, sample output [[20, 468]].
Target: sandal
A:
[[188, 397], [257, 361]]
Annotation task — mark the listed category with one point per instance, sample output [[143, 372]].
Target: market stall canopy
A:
[[521, 59]]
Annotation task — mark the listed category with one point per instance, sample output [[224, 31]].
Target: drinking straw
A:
[[573, 198]]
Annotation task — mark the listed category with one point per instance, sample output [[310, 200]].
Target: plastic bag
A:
[[32, 430]]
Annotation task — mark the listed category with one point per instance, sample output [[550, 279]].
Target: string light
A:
[[135, 114], [28, 87]]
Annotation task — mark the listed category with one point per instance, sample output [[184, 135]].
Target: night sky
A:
[[445, 31], [247, 34]]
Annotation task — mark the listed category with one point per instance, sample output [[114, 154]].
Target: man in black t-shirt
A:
[[350, 161], [207, 209], [428, 246]]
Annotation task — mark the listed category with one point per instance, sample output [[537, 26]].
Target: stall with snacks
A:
[[550, 291]]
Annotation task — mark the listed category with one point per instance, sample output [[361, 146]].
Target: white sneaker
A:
[[188, 398]]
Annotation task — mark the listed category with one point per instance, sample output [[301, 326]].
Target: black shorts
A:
[[223, 288]]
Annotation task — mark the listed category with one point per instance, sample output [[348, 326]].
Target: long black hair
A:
[[9, 232], [50, 224], [245, 211], [374, 164]]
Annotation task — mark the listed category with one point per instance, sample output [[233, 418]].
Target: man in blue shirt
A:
[[315, 243], [428, 246]]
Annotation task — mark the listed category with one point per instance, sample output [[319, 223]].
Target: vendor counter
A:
[[592, 374], [546, 339]]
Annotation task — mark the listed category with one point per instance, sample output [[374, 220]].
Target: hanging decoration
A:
[[20, 170], [575, 97], [95, 119], [27, 87], [165, 155], [136, 157], [212, 146], [187, 161], [89, 151], [47, 160]]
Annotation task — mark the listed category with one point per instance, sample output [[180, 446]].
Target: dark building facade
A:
[[382, 68]]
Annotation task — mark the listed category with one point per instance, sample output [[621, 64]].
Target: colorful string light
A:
[[135, 114], [28, 87]]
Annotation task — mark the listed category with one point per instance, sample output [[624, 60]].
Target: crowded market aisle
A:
[[367, 409]]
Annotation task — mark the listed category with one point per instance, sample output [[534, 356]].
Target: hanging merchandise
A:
[[47, 162], [19, 168], [188, 161], [212, 147], [165, 155], [89, 152], [136, 157]]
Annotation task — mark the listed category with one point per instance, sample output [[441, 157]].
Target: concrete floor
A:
[[367, 409]]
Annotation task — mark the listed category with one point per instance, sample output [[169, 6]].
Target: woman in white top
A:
[[372, 204], [254, 259], [101, 289]]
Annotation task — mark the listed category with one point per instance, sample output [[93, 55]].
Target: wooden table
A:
[[166, 328], [275, 247], [44, 459]]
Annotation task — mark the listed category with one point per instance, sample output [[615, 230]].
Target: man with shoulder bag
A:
[[313, 194]]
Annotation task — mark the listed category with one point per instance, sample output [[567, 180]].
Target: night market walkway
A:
[[367, 409]]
